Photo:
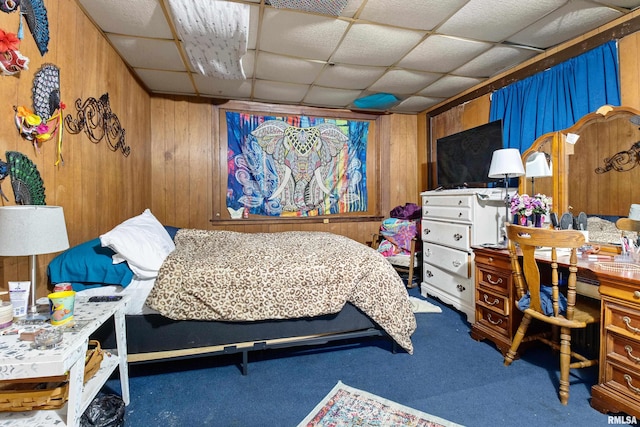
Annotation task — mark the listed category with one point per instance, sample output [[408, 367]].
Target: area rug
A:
[[423, 306], [347, 406]]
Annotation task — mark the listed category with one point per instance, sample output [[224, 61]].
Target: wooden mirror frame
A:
[[618, 135]]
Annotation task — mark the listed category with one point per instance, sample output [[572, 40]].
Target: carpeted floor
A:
[[449, 375]]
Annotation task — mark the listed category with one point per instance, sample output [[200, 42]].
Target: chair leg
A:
[[517, 339], [565, 362]]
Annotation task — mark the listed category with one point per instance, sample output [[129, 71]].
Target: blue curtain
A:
[[558, 97]]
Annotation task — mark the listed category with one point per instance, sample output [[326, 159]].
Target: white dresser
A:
[[453, 221]]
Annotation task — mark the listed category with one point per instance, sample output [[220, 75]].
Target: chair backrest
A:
[[527, 276], [628, 224]]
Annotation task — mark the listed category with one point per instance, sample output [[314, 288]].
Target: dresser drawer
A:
[[498, 260], [624, 351], [460, 288], [498, 280], [622, 380], [453, 260], [492, 300], [456, 236], [460, 214], [457, 201], [622, 320], [493, 320]]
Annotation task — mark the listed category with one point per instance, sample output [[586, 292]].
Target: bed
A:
[[204, 292]]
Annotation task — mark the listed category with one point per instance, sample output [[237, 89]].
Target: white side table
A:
[[18, 359]]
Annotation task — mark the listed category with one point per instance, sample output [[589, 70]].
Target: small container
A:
[[6, 314], [48, 338], [61, 307], [61, 287]]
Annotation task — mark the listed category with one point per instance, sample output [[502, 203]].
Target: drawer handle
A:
[[490, 259], [426, 231], [629, 350], [456, 263], [428, 273], [459, 214], [459, 202], [426, 212], [496, 322], [427, 253], [627, 321], [628, 379], [494, 302], [636, 294], [457, 236], [494, 282], [460, 288]]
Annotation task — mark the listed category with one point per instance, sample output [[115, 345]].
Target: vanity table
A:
[[497, 319]]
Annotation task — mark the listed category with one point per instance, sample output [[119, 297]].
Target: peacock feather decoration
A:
[[26, 181], [35, 13]]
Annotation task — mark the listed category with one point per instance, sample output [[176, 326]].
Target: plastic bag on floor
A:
[[104, 411]]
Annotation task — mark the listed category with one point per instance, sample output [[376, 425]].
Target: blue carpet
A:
[[449, 375]]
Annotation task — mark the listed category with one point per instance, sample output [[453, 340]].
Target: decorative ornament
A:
[[26, 181], [97, 120], [4, 172], [11, 60], [8, 6], [36, 15]]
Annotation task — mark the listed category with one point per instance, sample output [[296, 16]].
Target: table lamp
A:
[[30, 230], [537, 167], [506, 163]]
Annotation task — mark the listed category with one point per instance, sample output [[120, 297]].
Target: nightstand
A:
[[18, 359]]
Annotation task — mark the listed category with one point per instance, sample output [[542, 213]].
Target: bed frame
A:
[[153, 337]]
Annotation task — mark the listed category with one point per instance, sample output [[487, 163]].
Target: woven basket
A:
[[45, 392]]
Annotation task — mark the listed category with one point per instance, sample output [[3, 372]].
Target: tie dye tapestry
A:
[[296, 165]]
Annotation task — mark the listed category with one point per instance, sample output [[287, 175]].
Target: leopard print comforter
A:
[[232, 276]]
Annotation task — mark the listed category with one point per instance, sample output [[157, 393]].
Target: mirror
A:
[[596, 168]]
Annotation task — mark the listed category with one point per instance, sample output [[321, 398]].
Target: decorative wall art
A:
[[11, 60], [296, 165], [35, 13], [622, 161], [26, 181], [97, 120], [43, 122]]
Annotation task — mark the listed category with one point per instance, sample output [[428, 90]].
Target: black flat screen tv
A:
[[463, 159]]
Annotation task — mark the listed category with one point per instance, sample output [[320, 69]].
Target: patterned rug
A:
[[347, 406]]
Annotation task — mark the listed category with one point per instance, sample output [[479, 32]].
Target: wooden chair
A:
[[402, 263], [580, 311]]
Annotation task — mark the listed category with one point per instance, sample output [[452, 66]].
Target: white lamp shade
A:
[[537, 166], [507, 163], [32, 230]]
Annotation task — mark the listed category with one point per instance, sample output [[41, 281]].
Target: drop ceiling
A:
[[420, 51]]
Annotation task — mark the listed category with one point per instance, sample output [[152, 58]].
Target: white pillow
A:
[[141, 241]]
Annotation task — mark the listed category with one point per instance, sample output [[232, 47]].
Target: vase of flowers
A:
[[536, 207]]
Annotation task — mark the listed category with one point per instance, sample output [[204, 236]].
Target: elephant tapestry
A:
[[296, 165]]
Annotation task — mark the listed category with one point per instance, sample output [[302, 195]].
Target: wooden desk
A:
[[497, 319]]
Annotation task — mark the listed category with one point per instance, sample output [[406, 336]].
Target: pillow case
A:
[[142, 242], [88, 265]]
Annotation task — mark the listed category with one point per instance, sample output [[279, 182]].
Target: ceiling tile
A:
[[148, 53], [279, 92], [416, 103], [564, 24], [300, 34], [495, 61], [331, 97], [349, 76], [232, 89], [403, 81], [135, 18], [449, 86], [165, 81], [434, 54], [495, 20], [417, 14], [287, 69], [368, 44]]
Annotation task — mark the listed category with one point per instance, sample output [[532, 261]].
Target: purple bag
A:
[[408, 211]]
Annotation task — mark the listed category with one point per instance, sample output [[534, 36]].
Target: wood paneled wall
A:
[[96, 187], [189, 152]]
